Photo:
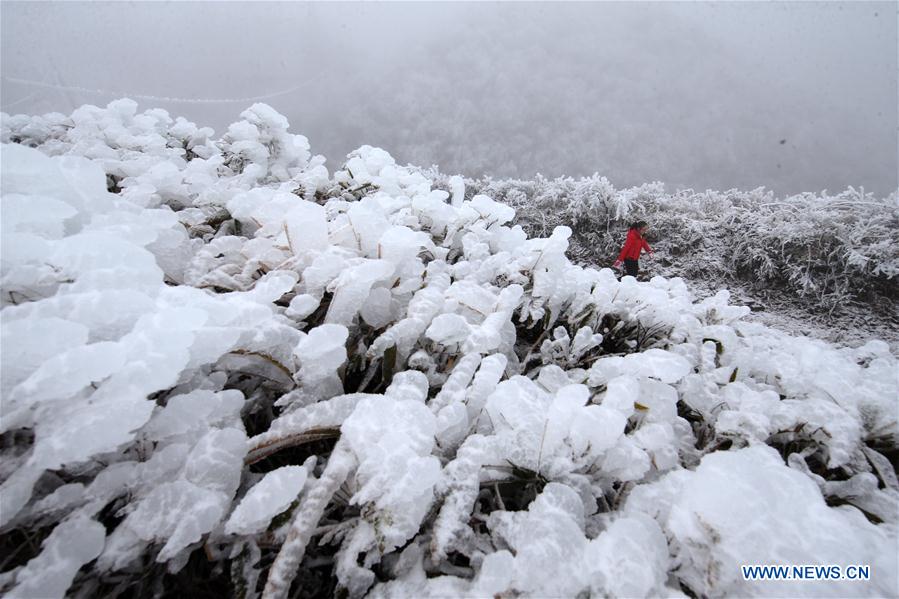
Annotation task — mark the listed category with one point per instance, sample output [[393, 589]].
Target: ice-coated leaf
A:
[[68, 372], [266, 499], [448, 329], [657, 363], [393, 441], [180, 512], [73, 543], [177, 513]]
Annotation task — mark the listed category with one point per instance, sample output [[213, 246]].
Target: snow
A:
[[179, 308]]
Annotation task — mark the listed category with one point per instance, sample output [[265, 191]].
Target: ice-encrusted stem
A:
[[456, 384], [283, 571], [488, 376], [460, 490], [424, 306]]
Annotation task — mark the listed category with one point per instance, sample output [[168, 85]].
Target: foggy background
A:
[[791, 96]]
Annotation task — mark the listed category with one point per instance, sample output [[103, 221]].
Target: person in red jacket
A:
[[630, 253]]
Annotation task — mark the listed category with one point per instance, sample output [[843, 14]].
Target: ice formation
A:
[[475, 414]]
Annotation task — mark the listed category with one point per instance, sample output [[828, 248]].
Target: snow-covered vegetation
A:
[[823, 250], [223, 362]]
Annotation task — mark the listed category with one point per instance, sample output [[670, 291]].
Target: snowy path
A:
[[853, 326]]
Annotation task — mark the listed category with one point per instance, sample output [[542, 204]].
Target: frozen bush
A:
[[219, 360]]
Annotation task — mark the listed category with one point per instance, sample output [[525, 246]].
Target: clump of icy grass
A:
[[216, 350]]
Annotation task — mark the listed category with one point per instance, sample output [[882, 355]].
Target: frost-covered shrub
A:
[[828, 248], [152, 159], [822, 248], [591, 206], [260, 148], [376, 383]]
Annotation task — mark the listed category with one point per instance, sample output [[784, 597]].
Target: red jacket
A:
[[632, 247]]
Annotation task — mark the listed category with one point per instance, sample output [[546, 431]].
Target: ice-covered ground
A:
[[352, 379]]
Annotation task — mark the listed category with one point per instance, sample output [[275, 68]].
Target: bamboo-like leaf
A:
[[266, 357], [272, 446]]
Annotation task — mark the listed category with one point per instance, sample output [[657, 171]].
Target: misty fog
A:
[[791, 96]]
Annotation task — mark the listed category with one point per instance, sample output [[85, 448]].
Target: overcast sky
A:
[[791, 96]]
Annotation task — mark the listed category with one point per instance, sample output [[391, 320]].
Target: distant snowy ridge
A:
[[218, 345]]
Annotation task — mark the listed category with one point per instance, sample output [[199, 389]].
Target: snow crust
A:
[[748, 507]]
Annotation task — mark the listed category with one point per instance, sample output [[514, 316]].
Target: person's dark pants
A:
[[631, 267]]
